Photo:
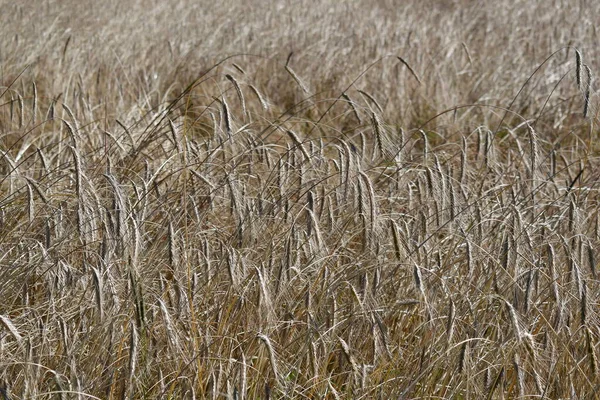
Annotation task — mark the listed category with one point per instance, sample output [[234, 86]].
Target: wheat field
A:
[[299, 199]]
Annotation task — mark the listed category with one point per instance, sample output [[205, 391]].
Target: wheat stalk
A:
[[265, 339], [239, 92]]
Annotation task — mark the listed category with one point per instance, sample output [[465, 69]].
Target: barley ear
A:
[[409, 69], [353, 107], [586, 104], [578, 68], [240, 69], [379, 132], [349, 357], [297, 79], [238, 90], [372, 100], [261, 99], [133, 356], [227, 118], [265, 339], [98, 294]]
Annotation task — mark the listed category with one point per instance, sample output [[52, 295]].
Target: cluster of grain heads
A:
[[221, 244]]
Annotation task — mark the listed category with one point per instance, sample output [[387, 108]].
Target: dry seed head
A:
[[71, 115], [552, 164], [120, 209], [469, 258], [171, 334], [364, 367], [265, 339], [591, 259], [515, 320], [346, 164], [396, 239], [133, 354], [240, 69], [424, 224], [452, 199], [98, 292], [379, 134], [353, 107], [586, 104], [238, 91], [78, 172], [297, 79], [264, 294], [488, 147], [431, 187], [21, 111], [572, 215], [412, 72], [462, 359], [227, 118], [317, 231], [591, 348], [260, 98], [298, 143], [372, 99], [534, 151], [425, 145], [372, 201], [12, 107], [173, 250], [361, 198], [578, 63], [418, 278], [244, 376], [349, 357], [504, 255], [72, 132]]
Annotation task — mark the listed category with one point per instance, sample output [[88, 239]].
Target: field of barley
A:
[[299, 199]]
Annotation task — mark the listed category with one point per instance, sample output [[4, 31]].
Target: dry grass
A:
[[308, 201]]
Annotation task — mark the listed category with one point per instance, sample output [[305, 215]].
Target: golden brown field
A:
[[299, 199]]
